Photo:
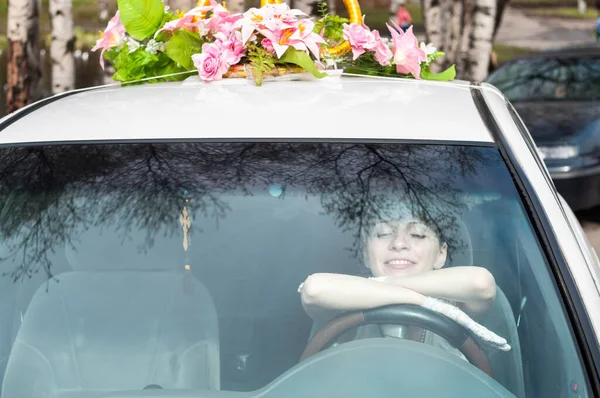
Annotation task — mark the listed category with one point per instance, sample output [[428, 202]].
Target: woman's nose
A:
[[399, 242]]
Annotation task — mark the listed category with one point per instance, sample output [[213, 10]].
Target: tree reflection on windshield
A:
[[49, 193]]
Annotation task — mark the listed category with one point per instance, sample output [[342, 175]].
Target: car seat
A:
[[19, 280], [507, 366], [128, 317]]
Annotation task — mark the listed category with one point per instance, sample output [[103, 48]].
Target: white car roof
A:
[[334, 108]]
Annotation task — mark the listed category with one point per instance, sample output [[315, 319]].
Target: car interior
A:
[[126, 308]]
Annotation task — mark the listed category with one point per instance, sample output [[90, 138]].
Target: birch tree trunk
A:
[[464, 30], [451, 15], [435, 17], [103, 9], [457, 29], [582, 6], [476, 46], [432, 19], [62, 45], [23, 70]]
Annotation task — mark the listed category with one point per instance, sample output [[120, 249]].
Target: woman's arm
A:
[[326, 293], [473, 288]]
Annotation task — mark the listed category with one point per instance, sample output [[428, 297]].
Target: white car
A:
[[154, 237]]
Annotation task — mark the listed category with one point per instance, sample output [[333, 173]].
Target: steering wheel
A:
[[402, 314]]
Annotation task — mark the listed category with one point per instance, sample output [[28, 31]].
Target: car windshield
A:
[[177, 266], [549, 79]]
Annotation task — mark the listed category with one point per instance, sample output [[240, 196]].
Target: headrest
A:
[[460, 251]]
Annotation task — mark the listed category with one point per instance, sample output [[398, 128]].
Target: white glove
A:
[[458, 316]]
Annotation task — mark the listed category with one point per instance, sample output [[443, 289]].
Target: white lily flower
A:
[[428, 48], [132, 44]]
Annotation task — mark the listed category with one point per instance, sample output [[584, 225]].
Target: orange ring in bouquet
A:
[[355, 16]]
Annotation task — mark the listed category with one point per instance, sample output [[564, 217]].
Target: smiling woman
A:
[[401, 250]]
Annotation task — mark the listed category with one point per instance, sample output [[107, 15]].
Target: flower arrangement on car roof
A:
[[146, 40]]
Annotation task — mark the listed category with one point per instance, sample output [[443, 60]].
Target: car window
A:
[[549, 79], [178, 265]]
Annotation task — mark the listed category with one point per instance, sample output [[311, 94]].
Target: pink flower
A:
[[221, 20], [209, 63], [383, 54], [281, 16], [305, 35], [251, 20], [271, 17], [280, 39], [360, 38], [267, 45], [299, 35], [191, 20], [217, 57], [230, 47], [407, 54], [111, 37]]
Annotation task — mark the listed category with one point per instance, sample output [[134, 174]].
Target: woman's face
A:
[[402, 248]]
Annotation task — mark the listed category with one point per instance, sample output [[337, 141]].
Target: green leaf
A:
[[142, 18], [436, 55], [302, 59], [166, 66], [182, 46], [447, 75], [322, 6], [332, 27], [261, 61]]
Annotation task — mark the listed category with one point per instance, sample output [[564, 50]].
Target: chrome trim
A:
[[564, 172]]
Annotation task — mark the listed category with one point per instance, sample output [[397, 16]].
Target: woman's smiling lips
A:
[[399, 263]]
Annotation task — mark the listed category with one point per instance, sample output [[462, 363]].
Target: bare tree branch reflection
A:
[[50, 194]]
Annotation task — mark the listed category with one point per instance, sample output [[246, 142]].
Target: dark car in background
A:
[[557, 94]]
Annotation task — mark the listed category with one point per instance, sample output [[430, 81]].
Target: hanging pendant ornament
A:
[[186, 224]]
